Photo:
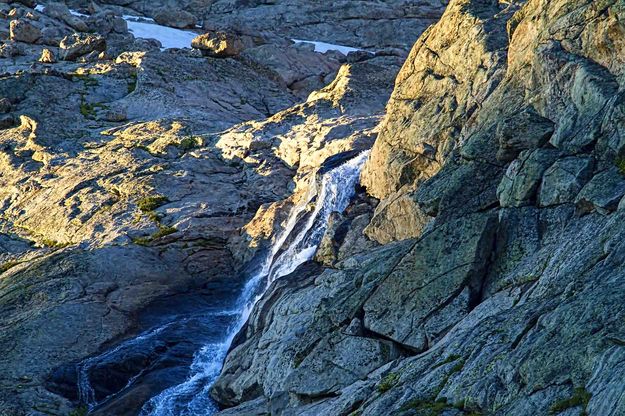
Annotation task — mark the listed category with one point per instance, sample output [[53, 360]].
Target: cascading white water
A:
[[191, 398], [333, 193]]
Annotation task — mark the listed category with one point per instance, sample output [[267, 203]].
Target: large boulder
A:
[[434, 283], [175, 18], [523, 177], [524, 130], [61, 11], [564, 179], [218, 44], [24, 31], [77, 45], [603, 193]]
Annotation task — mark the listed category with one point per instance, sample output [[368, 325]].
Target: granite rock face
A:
[[499, 166], [479, 270], [132, 174]]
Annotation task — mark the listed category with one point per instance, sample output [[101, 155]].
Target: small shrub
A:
[[619, 162], [450, 359], [87, 110], [87, 80], [154, 217], [431, 407], [79, 411], [580, 397], [150, 203], [163, 231], [388, 382], [187, 144]]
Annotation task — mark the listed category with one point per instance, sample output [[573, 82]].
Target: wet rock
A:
[[77, 45], [309, 342], [23, 31], [218, 44]]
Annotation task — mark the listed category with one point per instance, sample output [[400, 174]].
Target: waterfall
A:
[[331, 193]]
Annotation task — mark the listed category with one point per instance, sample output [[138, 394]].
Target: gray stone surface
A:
[[523, 177], [603, 193], [564, 179]]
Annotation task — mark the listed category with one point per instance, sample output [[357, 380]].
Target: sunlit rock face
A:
[[477, 269]]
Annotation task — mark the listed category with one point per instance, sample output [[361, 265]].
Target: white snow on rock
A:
[[145, 28], [168, 36], [323, 47]]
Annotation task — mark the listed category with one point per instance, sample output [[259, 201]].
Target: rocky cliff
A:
[[137, 181], [478, 270], [499, 166]]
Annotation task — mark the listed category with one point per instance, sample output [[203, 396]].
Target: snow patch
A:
[[168, 36], [323, 47]]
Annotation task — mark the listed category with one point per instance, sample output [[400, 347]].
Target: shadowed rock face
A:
[[499, 169]]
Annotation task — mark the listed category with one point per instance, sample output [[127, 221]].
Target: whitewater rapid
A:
[[294, 245]]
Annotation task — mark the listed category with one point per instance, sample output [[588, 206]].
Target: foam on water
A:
[[337, 188], [293, 246]]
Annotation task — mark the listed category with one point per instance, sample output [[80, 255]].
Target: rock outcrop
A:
[[131, 175], [365, 24], [478, 270], [499, 169]]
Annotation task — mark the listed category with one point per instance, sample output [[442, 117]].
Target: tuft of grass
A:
[[580, 397], [163, 231], [8, 265], [150, 203], [433, 408], [79, 411], [388, 382], [132, 85], [154, 217], [89, 110], [620, 164], [449, 359], [53, 243], [87, 80]]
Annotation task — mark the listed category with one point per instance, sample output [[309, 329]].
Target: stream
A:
[[207, 333]]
